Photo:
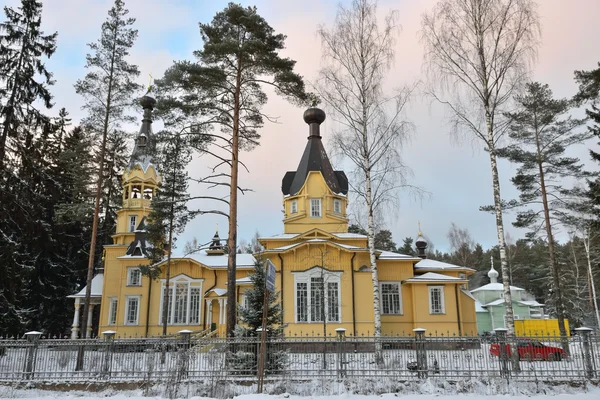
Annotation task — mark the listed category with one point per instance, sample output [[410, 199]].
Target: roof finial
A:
[[420, 234], [493, 274], [150, 82], [217, 227]]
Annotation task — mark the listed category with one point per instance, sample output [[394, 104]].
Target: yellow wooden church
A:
[[319, 264]]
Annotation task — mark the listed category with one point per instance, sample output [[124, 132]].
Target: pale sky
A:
[[457, 175]]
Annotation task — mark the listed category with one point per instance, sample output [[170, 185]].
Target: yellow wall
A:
[[315, 187]]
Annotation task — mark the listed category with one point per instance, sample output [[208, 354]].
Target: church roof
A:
[[314, 159], [97, 284], [433, 277], [220, 261], [145, 141], [428, 264], [495, 287]]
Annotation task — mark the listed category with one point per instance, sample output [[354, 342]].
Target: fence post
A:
[[33, 337], [503, 351], [341, 337], [185, 335], [109, 338], [586, 340], [421, 352]]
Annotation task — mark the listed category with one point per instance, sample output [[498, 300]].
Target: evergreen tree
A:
[[355, 228], [169, 213], [108, 90], [24, 79], [541, 136], [225, 87], [407, 247], [383, 241], [250, 318]]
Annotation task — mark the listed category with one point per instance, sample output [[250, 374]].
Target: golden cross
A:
[[217, 227], [420, 228], [150, 82]]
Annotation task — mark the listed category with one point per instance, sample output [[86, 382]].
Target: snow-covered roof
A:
[[219, 292], [495, 287], [496, 302], [390, 255], [349, 235], [243, 281], [97, 284], [532, 303], [220, 260], [280, 236], [433, 277], [479, 307], [427, 264]]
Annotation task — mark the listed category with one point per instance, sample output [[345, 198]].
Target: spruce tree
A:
[[169, 213], [224, 88], [24, 79], [384, 241], [541, 134], [108, 90], [407, 247]]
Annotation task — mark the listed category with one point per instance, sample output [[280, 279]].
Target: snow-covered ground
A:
[[588, 393], [427, 390]]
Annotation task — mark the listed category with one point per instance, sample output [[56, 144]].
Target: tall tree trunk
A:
[[232, 237], [92, 256], [586, 243], [510, 319], [165, 319], [560, 309]]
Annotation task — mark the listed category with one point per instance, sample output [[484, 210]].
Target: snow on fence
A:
[[299, 358]]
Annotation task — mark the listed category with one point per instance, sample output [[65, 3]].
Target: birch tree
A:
[[358, 53], [477, 54]]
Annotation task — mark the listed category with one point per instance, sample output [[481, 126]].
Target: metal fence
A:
[[300, 358]]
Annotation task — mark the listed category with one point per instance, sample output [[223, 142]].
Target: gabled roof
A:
[[97, 285], [220, 261], [433, 277], [495, 287], [390, 255], [316, 240], [433, 265]]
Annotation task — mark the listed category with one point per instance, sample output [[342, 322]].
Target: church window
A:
[[436, 300], [391, 298], [337, 206], [185, 297], [132, 222], [245, 302], [112, 311], [317, 296], [132, 310], [315, 208], [294, 207], [134, 277]]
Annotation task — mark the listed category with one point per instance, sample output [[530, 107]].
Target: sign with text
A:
[[270, 276]]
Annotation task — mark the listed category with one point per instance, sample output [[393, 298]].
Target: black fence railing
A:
[[402, 358]]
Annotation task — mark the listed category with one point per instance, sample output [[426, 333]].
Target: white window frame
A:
[[130, 272], [294, 206], [132, 223], [328, 277], [191, 283], [137, 316], [337, 206], [431, 289], [245, 302], [401, 308], [316, 212], [113, 307]]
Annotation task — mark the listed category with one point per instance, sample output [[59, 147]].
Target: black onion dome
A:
[[314, 115], [148, 102]]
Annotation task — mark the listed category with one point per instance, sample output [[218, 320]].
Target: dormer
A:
[[315, 196]]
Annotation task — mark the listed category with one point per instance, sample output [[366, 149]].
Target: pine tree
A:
[[541, 135], [384, 241], [407, 247], [24, 77], [225, 86], [108, 89], [169, 213]]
